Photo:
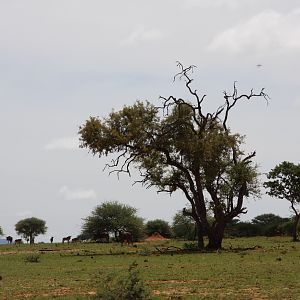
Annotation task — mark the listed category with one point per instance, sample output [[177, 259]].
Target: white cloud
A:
[[67, 143], [79, 194], [267, 31], [141, 35]]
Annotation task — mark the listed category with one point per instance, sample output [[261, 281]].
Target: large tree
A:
[[30, 228], [284, 183], [110, 217], [179, 146]]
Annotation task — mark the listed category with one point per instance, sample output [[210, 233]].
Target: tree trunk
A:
[[31, 239], [215, 236], [200, 238], [295, 225]]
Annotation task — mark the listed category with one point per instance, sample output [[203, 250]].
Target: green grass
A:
[[269, 269]]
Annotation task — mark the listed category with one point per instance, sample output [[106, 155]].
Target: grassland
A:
[[247, 268]]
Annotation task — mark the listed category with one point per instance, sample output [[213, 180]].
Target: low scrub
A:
[[131, 287]]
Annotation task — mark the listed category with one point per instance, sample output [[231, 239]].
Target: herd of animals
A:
[[123, 237]]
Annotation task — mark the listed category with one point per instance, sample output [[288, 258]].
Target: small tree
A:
[[111, 217], [184, 226], [30, 228], [1, 231], [284, 183], [160, 226]]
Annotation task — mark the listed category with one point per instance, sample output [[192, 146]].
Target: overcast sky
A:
[[62, 61]]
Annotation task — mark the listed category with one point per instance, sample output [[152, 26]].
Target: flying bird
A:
[[259, 65]]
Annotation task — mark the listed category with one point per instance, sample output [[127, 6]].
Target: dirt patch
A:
[[156, 236]]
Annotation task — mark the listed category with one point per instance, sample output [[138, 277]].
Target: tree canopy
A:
[[284, 183], [30, 228], [110, 217], [1, 231], [159, 226], [179, 146]]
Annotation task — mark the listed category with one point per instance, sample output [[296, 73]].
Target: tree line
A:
[[111, 217]]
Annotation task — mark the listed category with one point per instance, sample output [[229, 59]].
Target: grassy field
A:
[[247, 268]]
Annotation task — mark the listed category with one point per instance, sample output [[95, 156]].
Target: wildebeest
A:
[[9, 239], [125, 236], [75, 240], [18, 241], [66, 239], [51, 239]]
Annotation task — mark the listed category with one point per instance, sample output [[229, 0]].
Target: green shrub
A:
[[128, 288], [190, 246], [32, 258]]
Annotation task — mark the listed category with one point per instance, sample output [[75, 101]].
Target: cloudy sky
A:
[[62, 61]]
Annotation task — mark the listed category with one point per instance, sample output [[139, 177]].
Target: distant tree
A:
[[30, 228], [268, 224], [111, 217], [284, 183], [184, 226], [1, 231], [180, 146], [158, 225]]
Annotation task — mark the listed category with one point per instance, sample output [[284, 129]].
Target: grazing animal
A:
[[18, 241], [125, 236], [66, 239], [9, 239], [51, 239], [103, 236], [75, 240]]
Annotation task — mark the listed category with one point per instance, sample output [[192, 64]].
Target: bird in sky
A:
[[259, 65]]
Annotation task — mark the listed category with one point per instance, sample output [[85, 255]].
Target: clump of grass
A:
[[131, 287], [145, 251], [190, 246], [32, 258]]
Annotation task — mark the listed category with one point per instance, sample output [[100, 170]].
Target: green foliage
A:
[[158, 225], [190, 246], [284, 183], [30, 228], [265, 225], [184, 226], [129, 288], [111, 217], [32, 258], [1, 231]]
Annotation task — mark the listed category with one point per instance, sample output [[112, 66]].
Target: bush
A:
[[129, 288], [32, 258]]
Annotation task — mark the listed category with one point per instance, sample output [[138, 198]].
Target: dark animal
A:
[[18, 241], [125, 236], [66, 239], [103, 236], [75, 240], [9, 239], [51, 239]]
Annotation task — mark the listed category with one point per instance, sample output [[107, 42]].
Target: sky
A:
[[63, 61]]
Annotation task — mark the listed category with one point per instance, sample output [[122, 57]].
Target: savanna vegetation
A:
[[246, 268], [180, 146], [209, 253]]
